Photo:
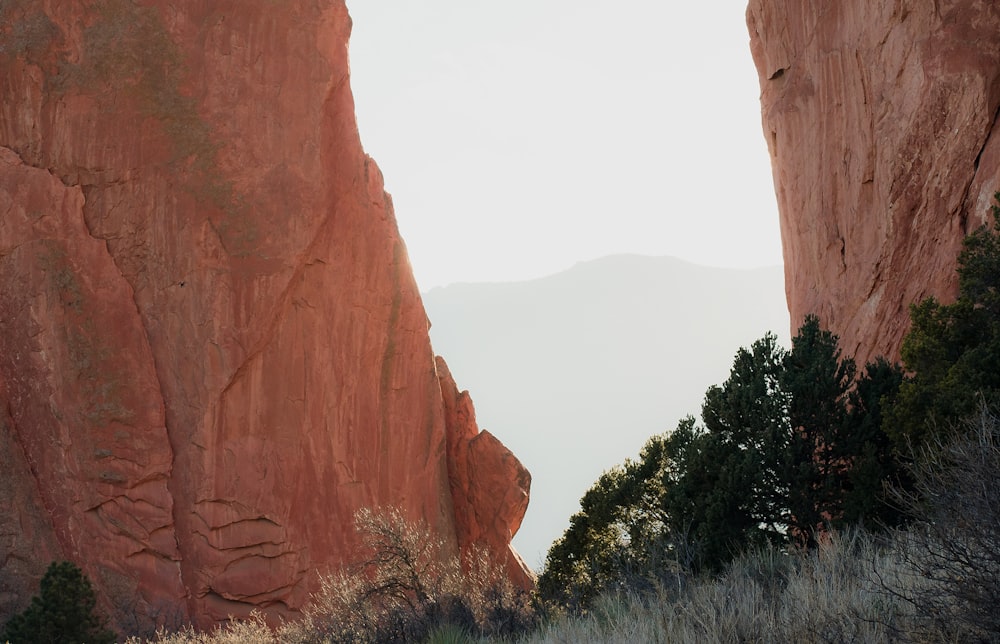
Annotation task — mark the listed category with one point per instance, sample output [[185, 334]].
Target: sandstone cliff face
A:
[[212, 349], [881, 120]]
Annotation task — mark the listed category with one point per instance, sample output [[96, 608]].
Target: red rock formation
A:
[[480, 468], [212, 349], [880, 119]]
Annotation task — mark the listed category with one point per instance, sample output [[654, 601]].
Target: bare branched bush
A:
[[253, 630], [409, 587], [952, 551], [409, 584]]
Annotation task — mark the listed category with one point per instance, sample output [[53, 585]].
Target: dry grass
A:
[[409, 586], [251, 631], [855, 588], [847, 591]]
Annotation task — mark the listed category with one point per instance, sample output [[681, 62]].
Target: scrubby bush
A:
[[952, 551], [64, 612], [409, 586], [253, 630]]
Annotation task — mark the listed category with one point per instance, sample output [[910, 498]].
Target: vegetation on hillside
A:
[[936, 582], [786, 447], [953, 350]]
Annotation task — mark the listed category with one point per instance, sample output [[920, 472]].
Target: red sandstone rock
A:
[[212, 349], [481, 467], [880, 119]]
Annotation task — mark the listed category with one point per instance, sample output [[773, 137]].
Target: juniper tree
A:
[[64, 612], [953, 350]]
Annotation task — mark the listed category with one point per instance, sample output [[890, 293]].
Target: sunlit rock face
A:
[[212, 349], [488, 508], [881, 120]]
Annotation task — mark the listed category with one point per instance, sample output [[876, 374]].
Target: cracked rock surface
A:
[[881, 120], [212, 349]]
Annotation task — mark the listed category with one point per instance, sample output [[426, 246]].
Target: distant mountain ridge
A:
[[576, 370]]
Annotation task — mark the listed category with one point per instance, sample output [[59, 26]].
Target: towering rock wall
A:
[[881, 120], [212, 349]]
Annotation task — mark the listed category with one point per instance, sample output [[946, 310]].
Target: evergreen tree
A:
[[62, 613], [874, 460], [816, 382], [731, 480], [789, 443], [953, 350], [620, 529]]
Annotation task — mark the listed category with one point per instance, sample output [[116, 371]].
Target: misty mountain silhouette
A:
[[573, 372]]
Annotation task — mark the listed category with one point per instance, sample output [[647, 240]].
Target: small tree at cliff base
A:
[[816, 381], [621, 533], [729, 490], [62, 613], [953, 350]]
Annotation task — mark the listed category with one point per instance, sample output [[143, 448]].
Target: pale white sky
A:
[[520, 137]]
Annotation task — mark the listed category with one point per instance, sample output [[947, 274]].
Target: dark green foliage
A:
[[875, 462], [790, 443], [618, 522], [953, 350], [730, 492], [62, 613], [816, 382]]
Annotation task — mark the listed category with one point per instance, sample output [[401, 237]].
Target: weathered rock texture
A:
[[488, 509], [881, 119], [212, 349]]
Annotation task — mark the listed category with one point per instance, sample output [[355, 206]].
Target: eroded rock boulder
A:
[[480, 467]]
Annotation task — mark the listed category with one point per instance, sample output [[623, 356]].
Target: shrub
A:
[[953, 349], [409, 586], [952, 550], [62, 613], [253, 630]]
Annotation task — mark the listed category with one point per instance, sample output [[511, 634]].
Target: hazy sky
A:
[[520, 137]]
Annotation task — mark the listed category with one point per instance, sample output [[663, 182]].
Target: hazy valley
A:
[[576, 370]]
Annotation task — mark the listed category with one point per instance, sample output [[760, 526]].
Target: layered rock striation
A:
[[881, 120], [212, 349]]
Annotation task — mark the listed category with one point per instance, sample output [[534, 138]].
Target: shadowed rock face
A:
[[212, 349], [881, 120]]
